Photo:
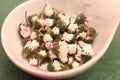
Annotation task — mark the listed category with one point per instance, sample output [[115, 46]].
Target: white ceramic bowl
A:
[[104, 16]]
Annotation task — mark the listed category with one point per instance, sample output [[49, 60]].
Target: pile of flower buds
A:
[[54, 42]]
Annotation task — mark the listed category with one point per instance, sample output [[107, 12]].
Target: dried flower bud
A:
[[25, 31], [49, 45]]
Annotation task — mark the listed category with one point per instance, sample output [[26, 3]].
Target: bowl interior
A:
[[104, 16]]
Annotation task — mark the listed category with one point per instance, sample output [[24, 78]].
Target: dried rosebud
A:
[[47, 38], [42, 53], [80, 19], [34, 18], [72, 27], [49, 22], [87, 20], [41, 22], [48, 11], [25, 31], [67, 37], [43, 67], [33, 62], [55, 31], [33, 35], [49, 45]]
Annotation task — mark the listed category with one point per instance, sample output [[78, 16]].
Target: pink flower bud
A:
[[48, 22], [25, 31], [49, 45], [33, 62], [43, 67], [87, 21]]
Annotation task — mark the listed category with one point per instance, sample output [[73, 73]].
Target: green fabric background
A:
[[107, 68]]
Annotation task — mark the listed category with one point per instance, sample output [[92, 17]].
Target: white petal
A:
[[47, 37], [33, 62], [56, 65], [72, 27], [72, 48], [55, 30], [43, 53], [34, 45], [75, 64], [33, 35], [67, 37], [34, 18], [49, 22], [49, 11]]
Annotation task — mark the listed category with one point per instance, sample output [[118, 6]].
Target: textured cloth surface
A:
[[107, 68]]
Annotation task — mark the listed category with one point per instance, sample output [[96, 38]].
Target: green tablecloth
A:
[[107, 68]]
